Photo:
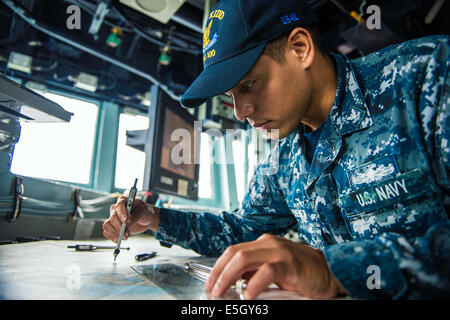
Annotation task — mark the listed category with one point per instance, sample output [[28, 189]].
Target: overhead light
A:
[[87, 82], [145, 99], [165, 58], [161, 10], [152, 5], [20, 62], [114, 39]]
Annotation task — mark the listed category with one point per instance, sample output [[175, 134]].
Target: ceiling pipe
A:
[[47, 30]]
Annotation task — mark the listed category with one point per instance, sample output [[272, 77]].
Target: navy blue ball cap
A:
[[235, 36]]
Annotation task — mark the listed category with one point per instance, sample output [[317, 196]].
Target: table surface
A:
[[48, 270], [51, 270]]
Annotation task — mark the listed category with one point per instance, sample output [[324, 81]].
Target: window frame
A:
[[98, 103], [122, 110], [104, 154]]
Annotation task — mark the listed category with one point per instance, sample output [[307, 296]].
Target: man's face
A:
[[273, 96]]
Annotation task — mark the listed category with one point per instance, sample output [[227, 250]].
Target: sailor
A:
[[361, 168]]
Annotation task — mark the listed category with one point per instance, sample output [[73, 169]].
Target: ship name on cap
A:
[[217, 14]]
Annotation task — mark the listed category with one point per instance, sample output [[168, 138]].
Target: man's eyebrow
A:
[[250, 74]]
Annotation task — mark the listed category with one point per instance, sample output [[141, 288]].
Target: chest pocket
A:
[[407, 203]]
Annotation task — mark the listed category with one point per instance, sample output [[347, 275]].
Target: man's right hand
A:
[[143, 216]]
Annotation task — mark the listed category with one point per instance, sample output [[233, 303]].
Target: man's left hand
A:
[[272, 259]]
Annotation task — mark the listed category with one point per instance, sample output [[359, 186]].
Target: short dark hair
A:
[[275, 48]]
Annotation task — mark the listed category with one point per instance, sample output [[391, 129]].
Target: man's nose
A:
[[243, 110]]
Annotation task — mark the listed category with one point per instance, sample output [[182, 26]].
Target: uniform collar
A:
[[349, 112]]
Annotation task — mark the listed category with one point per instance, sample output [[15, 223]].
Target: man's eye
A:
[[247, 85]]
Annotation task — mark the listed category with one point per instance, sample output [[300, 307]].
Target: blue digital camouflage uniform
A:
[[377, 190]]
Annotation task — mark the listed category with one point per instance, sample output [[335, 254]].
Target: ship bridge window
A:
[[61, 151]]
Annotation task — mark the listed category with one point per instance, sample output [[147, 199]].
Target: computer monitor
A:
[[171, 148]]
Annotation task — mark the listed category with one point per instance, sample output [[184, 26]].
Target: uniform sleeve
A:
[[391, 266], [263, 210]]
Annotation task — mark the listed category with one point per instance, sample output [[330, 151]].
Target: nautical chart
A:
[[172, 279]]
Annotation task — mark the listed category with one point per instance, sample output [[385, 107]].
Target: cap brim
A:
[[220, 77]]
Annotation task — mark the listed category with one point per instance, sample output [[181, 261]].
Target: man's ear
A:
[[301, 45]]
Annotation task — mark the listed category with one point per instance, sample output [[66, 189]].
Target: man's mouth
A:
[[262, 125]]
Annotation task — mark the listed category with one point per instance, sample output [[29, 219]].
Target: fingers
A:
[[140, 219], [261, 280], [220, 265], [138, 211], [229, 253], [238, 260], [245, 259], [263, 261], [230, 274], [114, 220], [292, 266], [112, 227], [121, 208]]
